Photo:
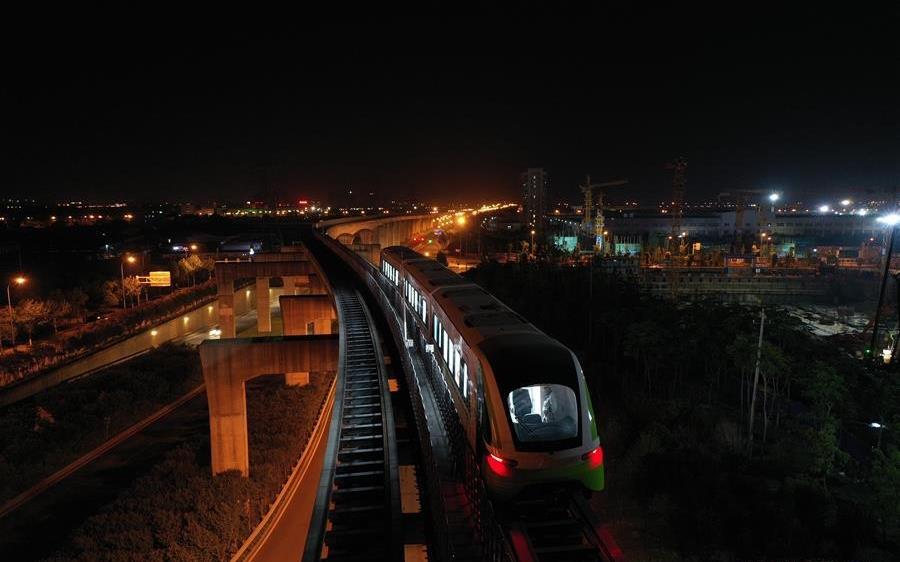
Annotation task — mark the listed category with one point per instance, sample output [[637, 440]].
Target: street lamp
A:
[[130, 260], [532, 242], [880, 427], [18, 280]]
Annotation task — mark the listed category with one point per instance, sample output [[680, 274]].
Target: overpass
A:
[[368, 235]]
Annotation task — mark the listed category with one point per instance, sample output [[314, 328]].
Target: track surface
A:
[[357, 515]]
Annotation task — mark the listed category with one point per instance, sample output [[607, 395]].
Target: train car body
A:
[[519, 394]]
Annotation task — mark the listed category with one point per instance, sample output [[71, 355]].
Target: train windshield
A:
[[543, 412]]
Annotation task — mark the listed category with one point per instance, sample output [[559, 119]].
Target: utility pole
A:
[[884, 276], [762, 323], [590, 326]]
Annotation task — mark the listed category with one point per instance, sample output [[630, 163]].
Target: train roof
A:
[[477, 314], [526, 359], [402, 253]]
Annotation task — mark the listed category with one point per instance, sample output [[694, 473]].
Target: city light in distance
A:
[[824, 209], [845, 202]]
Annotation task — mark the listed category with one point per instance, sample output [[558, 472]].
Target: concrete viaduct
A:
[[367, 236], [308, 348]]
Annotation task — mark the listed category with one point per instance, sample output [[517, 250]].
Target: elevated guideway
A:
[[553, 525], [357, 515]]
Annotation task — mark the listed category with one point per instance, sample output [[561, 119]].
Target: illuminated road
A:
[[191, 328]]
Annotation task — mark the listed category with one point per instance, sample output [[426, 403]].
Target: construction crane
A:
[[591, 223], [678, 167]]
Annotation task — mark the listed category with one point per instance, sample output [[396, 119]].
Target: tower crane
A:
[[679, 168], [591, 223]]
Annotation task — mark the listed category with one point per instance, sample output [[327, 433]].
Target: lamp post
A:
[[19, 280], [532, 243], [129, 259]]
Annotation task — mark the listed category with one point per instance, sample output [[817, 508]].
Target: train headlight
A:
[[594, 458], [500, 466]]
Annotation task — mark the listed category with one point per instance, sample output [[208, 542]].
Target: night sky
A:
[[453, 108]]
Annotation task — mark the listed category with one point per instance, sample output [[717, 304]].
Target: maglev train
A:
[[520, 394]]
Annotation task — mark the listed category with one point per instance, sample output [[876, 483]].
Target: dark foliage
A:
[[44, 433], [178, 511], [672, 383]]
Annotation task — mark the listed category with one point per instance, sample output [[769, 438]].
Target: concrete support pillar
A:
[[302, 312], [299, 378], [316, 286], [309, 285], [229, 364], [290, 284], [226, 314], [263, 310], [229, 447]]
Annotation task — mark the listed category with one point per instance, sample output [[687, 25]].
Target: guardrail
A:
[[273, 516]]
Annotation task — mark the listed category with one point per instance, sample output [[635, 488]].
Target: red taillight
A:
[[594, 458], [502, 467]]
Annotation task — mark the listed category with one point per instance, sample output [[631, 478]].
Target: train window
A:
[[543, 412], [465, 378]]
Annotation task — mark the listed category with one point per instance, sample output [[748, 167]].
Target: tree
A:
[[58, 309], [112, 293], [884, 482], [823, 387], [133, 289], [29, 313], [190, 265], [77, 300]]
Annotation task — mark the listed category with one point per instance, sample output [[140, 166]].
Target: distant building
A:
[[535, 195]]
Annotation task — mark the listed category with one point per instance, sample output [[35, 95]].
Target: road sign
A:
[[160, 279]]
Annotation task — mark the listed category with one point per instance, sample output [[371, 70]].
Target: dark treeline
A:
[[178, 511], [700, 465]]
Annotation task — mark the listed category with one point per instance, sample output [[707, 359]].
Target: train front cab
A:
[[537, 421]]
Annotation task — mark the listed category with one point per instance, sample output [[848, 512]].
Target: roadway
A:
[[191, 327]]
